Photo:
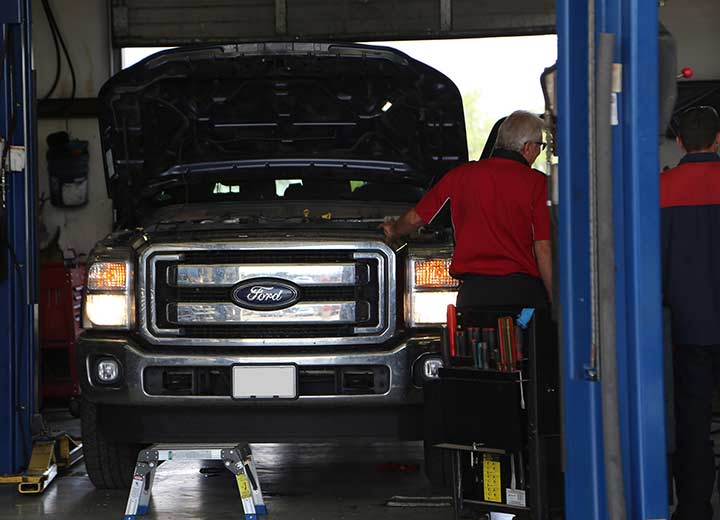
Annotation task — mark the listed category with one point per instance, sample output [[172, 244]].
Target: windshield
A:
[[256, 190]]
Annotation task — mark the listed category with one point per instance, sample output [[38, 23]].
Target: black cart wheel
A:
[[110, 464]]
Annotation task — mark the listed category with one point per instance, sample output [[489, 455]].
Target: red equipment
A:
[[452, 327], [61, 291], [686, 73]]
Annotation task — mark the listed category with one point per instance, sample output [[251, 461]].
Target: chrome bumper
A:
[[135, 359]]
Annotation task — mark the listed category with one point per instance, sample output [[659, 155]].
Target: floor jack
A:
[[238, 459]]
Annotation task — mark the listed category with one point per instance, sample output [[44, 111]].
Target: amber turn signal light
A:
[[107, 276], [434, 273]]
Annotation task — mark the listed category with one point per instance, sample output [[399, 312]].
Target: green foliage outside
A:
[[478, 123]]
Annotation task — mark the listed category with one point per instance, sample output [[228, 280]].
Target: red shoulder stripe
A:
[[691, 184]]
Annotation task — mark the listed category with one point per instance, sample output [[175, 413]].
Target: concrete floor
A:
[[313, 482], [303, 482]]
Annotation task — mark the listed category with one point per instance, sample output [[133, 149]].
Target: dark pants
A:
[[697, 373], [502, 291]]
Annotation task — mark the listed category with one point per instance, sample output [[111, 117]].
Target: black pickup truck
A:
[[246, 292]]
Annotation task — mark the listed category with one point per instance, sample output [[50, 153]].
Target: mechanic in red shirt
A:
[[500, 218]]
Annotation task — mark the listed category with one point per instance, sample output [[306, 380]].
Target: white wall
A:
[[695, 26], [670, 154], [84, 25]]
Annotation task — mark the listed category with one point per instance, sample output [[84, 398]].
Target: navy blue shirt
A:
[[690, 236]]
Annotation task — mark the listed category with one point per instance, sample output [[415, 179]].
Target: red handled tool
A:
[[452, 327]]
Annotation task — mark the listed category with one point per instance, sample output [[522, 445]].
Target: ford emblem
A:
[[265, 294]]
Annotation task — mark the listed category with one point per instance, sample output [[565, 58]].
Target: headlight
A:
[[430, 290], [106, 310], [109, 299]]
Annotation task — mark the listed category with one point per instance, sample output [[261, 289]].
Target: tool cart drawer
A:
[[474, 406]]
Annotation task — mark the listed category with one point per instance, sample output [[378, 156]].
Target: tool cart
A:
[[495, 412]]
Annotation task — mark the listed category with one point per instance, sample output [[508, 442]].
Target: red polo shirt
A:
[[499, 208]]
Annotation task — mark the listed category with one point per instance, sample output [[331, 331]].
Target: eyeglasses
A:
[[541, 144]]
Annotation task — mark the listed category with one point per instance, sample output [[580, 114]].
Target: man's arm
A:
[[408, 223], [543, 254], [429, 206]]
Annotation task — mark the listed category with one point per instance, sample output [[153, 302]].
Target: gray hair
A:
[[519, 128]]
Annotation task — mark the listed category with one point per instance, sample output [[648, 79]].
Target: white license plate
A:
[[265, 382]]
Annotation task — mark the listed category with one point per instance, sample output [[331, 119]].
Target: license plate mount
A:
[[254, 382]]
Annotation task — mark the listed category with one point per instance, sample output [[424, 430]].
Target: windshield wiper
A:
[[399, 171]]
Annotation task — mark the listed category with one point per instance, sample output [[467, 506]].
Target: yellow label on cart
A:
[[243, 486], [491, 478]]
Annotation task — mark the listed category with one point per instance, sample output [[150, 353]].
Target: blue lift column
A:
[[635, 173], [18, 281]]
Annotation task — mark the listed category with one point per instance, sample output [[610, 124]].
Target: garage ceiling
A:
[[175, 22]]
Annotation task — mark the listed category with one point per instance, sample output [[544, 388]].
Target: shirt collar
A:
[[700, 157], [502, 153]]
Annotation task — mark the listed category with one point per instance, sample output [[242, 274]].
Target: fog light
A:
[[431, 368], [108, 370]]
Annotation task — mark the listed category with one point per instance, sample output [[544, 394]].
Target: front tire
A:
[[110, 464], [74, 407]]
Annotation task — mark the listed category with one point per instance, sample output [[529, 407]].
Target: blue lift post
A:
[[584, 471], [18, 286], [638, 293], [637, 229]]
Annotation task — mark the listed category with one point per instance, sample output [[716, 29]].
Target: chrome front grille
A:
[[308, 275], [346, 293], [310, 313]]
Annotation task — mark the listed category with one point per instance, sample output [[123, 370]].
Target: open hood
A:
[[244, 108]]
